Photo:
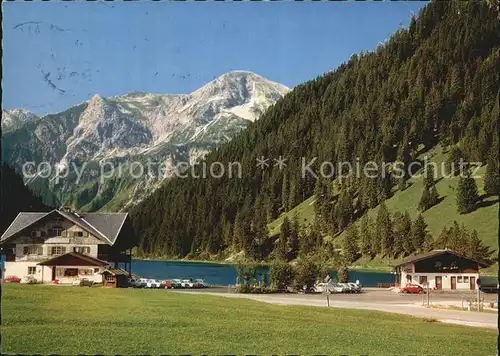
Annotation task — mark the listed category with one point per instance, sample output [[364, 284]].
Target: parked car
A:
[[320, 287], [200, 283], [355, 288], [187, 283], [132, 281], [167, 284], [176, 283], [153, 283], [12, 279], [140, 283], [340, 288], [85, 282], [412, 288]]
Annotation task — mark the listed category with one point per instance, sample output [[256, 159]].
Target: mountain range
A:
[[86, 140]]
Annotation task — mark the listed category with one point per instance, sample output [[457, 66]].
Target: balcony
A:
[[36, 258]]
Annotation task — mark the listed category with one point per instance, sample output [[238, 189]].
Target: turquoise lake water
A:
[[223, 274]]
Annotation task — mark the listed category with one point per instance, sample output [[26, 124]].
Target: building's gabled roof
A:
[[104, 226], [433, 253], [68, 259]]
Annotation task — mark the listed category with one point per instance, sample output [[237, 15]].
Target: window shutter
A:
[[50, 251], [85, 234], [63, 250], [64, 233]]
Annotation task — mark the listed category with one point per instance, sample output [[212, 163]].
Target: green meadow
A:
[[40, 319]]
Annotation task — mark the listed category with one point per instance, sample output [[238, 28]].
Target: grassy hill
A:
[[484, 219]]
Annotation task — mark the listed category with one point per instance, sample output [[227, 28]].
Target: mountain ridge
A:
[[159, 126]]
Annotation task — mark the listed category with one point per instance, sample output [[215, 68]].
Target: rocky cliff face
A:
[[136, 127]]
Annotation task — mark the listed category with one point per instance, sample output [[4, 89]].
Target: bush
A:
[[305, 273], [252, 289], [281, 275]]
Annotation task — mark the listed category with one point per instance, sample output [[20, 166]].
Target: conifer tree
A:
[[454, 161], [350, 244], [430, 196], [366, 236], [406, 225], [404, 157], [399, 234], [384, 230], [467, 195], [293, 240], [492, 177], [418, 232], [476, 249], [284, 193], [283, 244]]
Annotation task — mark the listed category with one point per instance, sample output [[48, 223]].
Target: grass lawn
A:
[[71, 320]]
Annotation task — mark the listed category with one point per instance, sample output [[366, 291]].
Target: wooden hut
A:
[[115, 277]]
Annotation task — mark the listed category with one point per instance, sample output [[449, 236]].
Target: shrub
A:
[[305, 274], [281, 275]]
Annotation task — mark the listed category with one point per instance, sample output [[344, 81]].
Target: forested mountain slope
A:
[[434, 83], [15, 197]]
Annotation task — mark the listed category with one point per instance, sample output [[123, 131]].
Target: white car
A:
[[187, 283], [153, 283], [339, 288], [139, 283]]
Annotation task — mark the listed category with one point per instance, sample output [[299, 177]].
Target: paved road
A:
[[381, 300]]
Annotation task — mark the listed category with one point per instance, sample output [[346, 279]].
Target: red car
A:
[[12, 279], [412, 288]]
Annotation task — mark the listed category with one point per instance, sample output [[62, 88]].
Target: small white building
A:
[[441, 269]]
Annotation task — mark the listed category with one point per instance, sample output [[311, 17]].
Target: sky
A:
[[58, 54]]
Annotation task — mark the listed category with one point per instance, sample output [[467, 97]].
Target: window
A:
[[82, 249], [57, 250], [466, 279], [96, 270], [408, 278], [459, 279], [60, 272], [32, 270], [85, 271], [78, 234], [422, 280], [110, 277], [70, 272], [32, 250]]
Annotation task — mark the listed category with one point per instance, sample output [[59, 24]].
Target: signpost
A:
[[478, 294], [327, 293]]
